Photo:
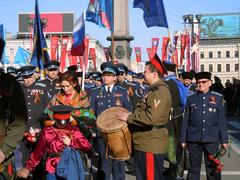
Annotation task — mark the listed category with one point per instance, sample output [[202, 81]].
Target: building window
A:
[[219, 54], [227, 54], [210, 67], [202, 67], [202, 55], [236, 54], [236, 67], [219, 68], [227, 67], [210, 54]]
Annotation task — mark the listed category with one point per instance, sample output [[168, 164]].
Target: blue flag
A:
[[22, 57], [4, 59], [39, 53], [153, 12], [100, 12]]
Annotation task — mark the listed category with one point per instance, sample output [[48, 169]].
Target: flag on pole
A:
[[3, 59], [39, 53], [138, 54], [153, 12], [22, 57], [78, 46], [165, 43], [100, 12], [54, 47]]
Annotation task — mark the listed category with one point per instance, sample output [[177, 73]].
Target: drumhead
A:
[[107, 121]]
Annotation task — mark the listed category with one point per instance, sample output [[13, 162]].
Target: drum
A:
[[115, 133]]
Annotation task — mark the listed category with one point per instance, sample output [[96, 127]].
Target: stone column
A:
[[122, 50]]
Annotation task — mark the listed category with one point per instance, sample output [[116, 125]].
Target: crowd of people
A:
[[55, 120]]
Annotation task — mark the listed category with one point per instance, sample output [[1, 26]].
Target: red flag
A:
[[175, 51], [86, 53], [63, 54], [106, 51], [183, 47], [138, 54], [150, 53], [54, 47], [93, 54], [164, 47], [188, 52], [155, 45]]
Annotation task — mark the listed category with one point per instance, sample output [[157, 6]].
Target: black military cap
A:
[[122, 68], [187, 75], [52, 65], [11, 70], [140, 76], [27, 71], [109, 67], [170, 67], [97, 76], [87, 75], [61, 112], [203, 75], [72, 68]]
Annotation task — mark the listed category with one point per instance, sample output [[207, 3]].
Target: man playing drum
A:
[[103, 97], [149, 119]]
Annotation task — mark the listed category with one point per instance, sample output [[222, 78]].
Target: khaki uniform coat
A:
[[149, 118]]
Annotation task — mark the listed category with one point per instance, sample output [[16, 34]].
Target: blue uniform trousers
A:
[[148, 165], [195, 151], [105, 167]]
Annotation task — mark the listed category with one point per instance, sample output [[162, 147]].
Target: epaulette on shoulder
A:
[[216, 93], [40, 84], [123, 88], [96, 88], [132, 84]]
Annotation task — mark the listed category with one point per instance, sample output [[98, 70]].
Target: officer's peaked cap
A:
[[109, 67], [27, 71], [51, 65]]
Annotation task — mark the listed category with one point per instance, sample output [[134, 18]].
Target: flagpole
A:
[[112, 32]]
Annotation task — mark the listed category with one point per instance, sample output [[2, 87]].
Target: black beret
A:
[[203, 75]]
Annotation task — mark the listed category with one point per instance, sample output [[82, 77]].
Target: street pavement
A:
[[231, 169]]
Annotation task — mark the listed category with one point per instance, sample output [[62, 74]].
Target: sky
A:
[[9, 10]]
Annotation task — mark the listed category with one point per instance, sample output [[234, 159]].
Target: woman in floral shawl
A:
[[72, 95]]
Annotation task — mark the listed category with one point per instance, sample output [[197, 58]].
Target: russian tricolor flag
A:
[[78, 46]]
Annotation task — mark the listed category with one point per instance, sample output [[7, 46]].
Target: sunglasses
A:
[[202, 82]]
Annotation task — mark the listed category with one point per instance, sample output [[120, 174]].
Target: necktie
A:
[[108, 91]]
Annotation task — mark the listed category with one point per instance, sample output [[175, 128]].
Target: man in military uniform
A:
[[123, 82], [141, 89], [103, 97], [187, 78], [148, 121], [204, 127], [35, 96], [179, 95], [51, 81]]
